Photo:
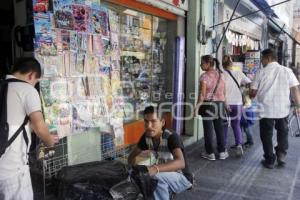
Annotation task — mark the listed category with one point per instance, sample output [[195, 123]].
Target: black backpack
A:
[[4, 127]]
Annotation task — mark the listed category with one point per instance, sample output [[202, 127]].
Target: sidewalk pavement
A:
[[244, 178]]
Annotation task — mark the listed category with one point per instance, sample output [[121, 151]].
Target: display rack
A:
[[46, 168], [142, 42]]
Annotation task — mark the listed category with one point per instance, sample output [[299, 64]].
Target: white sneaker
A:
[[239, 150], [208, 156], [223, 155]]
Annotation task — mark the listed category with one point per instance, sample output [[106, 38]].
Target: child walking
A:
[[247, 121]]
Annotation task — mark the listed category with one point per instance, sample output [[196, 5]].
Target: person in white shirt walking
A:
[[234, 101], [272, 85], [22, 100]]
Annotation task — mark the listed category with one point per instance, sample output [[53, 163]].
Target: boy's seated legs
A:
[[170, 182]]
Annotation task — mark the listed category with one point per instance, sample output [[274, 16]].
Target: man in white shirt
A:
[[22, 100], [272, 85]]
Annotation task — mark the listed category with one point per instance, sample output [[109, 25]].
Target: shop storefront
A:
[[103, 63], [143, 62], [243, 39], [280, 36], [278, 41]]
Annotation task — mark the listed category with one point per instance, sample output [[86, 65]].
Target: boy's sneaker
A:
[[239, 151], [223, 155], [208, 156]]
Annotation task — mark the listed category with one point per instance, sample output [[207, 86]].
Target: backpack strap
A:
[[237, 84], [21, 128], [14, 80], [26, 119]]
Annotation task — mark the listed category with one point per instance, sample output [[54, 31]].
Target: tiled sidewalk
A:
[[244, 178]]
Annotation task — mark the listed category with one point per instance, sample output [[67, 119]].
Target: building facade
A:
[[296, 26]]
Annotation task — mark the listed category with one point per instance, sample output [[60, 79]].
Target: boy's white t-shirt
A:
[[22, 99]]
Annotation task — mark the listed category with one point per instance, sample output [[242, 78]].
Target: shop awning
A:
[[264, 6], [282, 28], [275, 22]]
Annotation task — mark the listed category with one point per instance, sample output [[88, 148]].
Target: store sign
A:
[[178, 7], [243, 25], [182, 4]]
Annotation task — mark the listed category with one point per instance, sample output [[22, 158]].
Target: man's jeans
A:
[[266, 134], [169, 182]]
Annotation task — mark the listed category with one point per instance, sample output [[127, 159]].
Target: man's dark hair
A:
[[152, 109], [268, 53], [26, 65]]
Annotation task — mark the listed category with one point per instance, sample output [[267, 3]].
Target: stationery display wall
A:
[[101, 66], [142, 43], [243, 50], [252, 63]]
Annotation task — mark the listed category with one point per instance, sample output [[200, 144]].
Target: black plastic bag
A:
[[126, 190], [146, 183], [90, 179], [86, 191], [139, 185]]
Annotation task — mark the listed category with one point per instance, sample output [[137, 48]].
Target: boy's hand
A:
[[152, 171], [55, 139], [228, 109]]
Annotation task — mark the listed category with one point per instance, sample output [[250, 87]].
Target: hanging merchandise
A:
[[44, 37], [81, 87], [118, 134], [142, 43], [227, 35], [236, 40], [40, 6], [103, 60], [63, 14], [252, 62], [256, 45]]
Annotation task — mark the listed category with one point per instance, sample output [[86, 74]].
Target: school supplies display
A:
[[81, 86], [101, 66]]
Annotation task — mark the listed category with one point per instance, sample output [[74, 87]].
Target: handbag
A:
[[208, 104], [242, 94]]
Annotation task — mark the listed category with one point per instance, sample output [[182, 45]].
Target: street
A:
[[244, 178]]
